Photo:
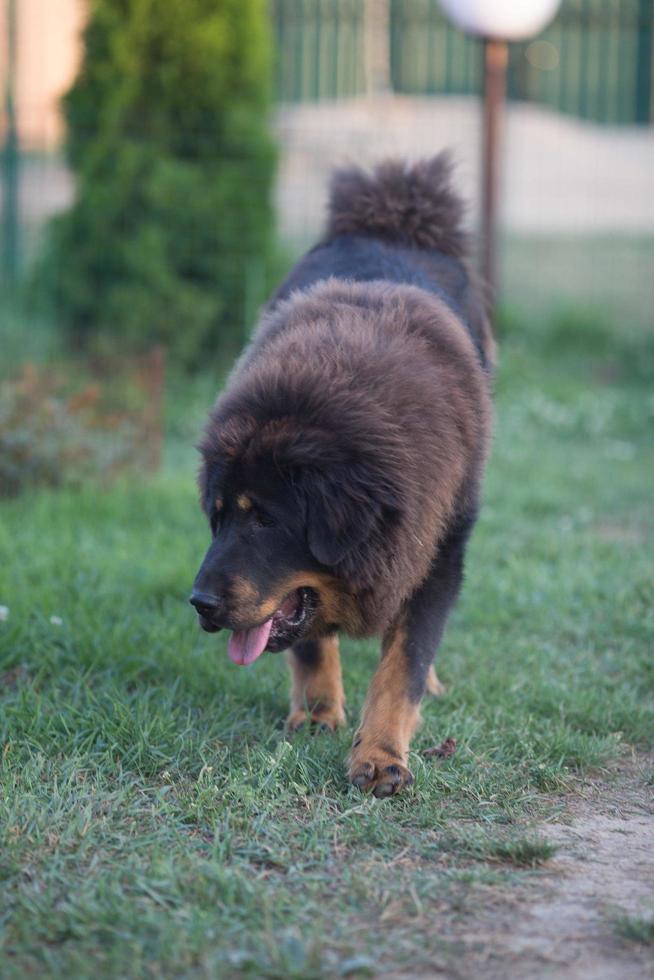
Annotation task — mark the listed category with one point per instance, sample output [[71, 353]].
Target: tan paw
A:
[[326, 719], [378, 771]]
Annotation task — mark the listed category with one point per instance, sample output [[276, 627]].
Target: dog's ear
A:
[[336, 522], [342, 514]]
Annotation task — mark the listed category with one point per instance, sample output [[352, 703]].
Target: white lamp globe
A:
[[509, 20]]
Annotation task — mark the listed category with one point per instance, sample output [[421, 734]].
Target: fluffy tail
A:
[[408, 204]]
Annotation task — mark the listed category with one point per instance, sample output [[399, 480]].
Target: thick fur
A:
[[361, 412], [372, 396], [408, 205]]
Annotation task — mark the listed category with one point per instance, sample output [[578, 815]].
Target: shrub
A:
[[170, 234], [53, 436]]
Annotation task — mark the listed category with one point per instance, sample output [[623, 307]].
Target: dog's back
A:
[[400, 224]]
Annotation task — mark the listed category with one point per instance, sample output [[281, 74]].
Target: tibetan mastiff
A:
[[341, 466]]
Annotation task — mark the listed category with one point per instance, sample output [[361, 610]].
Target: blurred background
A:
[[163, 163]]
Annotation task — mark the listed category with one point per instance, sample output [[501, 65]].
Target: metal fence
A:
[[321, 47], [595, 61]]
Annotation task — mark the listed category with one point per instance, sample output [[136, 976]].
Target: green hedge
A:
[[170, 235]]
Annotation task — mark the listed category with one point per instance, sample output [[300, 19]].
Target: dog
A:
[[341, 466]]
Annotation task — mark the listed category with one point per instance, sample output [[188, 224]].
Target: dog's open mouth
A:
[[276, 633]]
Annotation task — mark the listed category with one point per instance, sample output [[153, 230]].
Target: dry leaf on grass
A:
[[443, 751]]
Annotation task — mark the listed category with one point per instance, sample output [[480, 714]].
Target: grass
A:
[[637, 929], [613, 271], [524, 852], [154, 818]]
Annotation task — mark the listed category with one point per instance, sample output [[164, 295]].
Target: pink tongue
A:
[[246, 645]]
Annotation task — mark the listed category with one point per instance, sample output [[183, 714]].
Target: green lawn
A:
[[155, 820]]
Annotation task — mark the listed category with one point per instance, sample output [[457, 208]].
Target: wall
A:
[[47, 55]]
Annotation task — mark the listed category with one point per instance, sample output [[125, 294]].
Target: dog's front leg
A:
[[380, 752], [316, 684]]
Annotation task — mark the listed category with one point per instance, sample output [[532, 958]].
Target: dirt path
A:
[[562, 923]]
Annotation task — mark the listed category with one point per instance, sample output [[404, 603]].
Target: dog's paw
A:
[[379, 772], [324, 719]]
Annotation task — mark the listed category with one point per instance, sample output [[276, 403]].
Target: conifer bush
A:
[[169, 237]]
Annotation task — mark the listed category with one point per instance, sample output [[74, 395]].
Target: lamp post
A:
[[496, 23]]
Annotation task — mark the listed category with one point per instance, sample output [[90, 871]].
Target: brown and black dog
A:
[[342, 464]]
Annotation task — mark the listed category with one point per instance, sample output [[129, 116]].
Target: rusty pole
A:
[[496, 54]]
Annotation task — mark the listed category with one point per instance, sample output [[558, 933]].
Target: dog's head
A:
[[293, 525]]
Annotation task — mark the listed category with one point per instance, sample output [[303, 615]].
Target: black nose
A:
[[206, 605]]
